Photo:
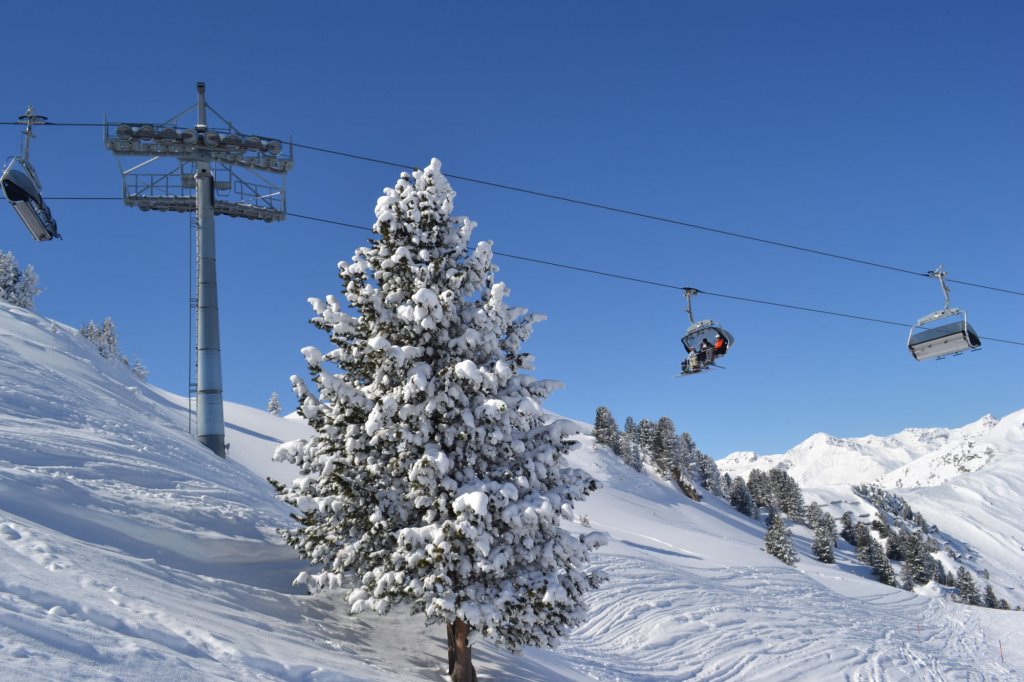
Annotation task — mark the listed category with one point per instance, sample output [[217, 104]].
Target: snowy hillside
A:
[[967, 481], [129, 552]]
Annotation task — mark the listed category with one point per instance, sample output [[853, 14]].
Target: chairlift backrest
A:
[[926, 343]]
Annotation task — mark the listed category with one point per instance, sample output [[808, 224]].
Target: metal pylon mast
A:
[[214, 171]]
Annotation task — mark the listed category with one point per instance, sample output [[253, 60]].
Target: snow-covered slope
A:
[[129, 552], [968, 481]]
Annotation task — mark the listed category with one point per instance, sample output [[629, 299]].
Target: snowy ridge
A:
[[968, 481], [911, 458], [131, 553]]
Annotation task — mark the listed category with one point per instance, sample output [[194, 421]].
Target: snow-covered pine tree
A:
[[644, 436], [17, 287], [628, 450], [274, 404], [606, 431], [787, 492], [665, 449], [434, 478], [847, 527], [104, 337], [761, 489], [967, 588], [778, 541], [740, 499], [824, 527], [879, 563]]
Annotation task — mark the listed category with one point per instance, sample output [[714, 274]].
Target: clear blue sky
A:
[[880, 131]]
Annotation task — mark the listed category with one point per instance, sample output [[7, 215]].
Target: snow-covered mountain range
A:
[[130, 552], [912, 458], [967, 481]]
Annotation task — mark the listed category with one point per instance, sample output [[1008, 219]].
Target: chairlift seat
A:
[[22, 190], [947, 339]]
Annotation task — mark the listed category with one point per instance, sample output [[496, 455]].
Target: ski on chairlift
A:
[[704, 341], [21, 187], [929, 340]]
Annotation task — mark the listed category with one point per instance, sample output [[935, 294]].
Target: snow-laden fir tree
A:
[[778, 541], [967, 588], [434, 478], [606, 431], [17, 287], [274, 404], [104, 337], [740, 499], [824, 527]]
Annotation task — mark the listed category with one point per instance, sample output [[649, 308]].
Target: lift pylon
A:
[[210, 171]]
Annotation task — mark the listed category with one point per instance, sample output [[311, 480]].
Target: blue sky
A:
[[885, 133]]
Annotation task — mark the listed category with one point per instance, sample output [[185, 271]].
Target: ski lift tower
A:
[[211, 171]]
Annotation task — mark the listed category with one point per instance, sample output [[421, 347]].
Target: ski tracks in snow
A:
[[655, 621]]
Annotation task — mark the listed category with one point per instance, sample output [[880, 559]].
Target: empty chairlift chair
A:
[[21, 187], [929, 340]]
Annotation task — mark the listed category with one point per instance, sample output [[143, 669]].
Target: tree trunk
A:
[[460, 653]]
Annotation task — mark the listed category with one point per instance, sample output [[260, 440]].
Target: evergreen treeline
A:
[[675, 456]]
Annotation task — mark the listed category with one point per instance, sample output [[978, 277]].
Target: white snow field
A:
[[129, 552]]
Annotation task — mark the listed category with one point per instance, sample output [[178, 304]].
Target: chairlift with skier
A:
[[704, 341], [22, 187], [928, 340]]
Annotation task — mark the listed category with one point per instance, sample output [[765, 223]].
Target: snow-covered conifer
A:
[[17, 286], [104, 337], [665, 454], [606, 431], [778, 541], [434, 478], [761, 489], [740, 499], [824, 527], [847, 528], [274, 404], [139, 370], [967, 588]]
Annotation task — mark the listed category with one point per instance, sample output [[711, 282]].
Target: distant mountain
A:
[[967, 481], [913, 457]]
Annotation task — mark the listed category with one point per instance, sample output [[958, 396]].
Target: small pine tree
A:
[[847, 524], [967, 588], [761, 489], [989, 597], [778, 541], [740, 499], [139, 370], [274, 405], [880, 565], [104, 337], [606, 431], [824, 527], [18, 287]]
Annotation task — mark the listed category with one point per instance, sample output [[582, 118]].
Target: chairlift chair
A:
[[697, 333], [927, 341], [21, 187]]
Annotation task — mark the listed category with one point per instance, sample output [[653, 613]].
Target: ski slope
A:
[[129, 552]]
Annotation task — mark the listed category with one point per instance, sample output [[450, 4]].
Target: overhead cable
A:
[[621, 211]]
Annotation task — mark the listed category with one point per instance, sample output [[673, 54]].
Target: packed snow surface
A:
[[129, 552]]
